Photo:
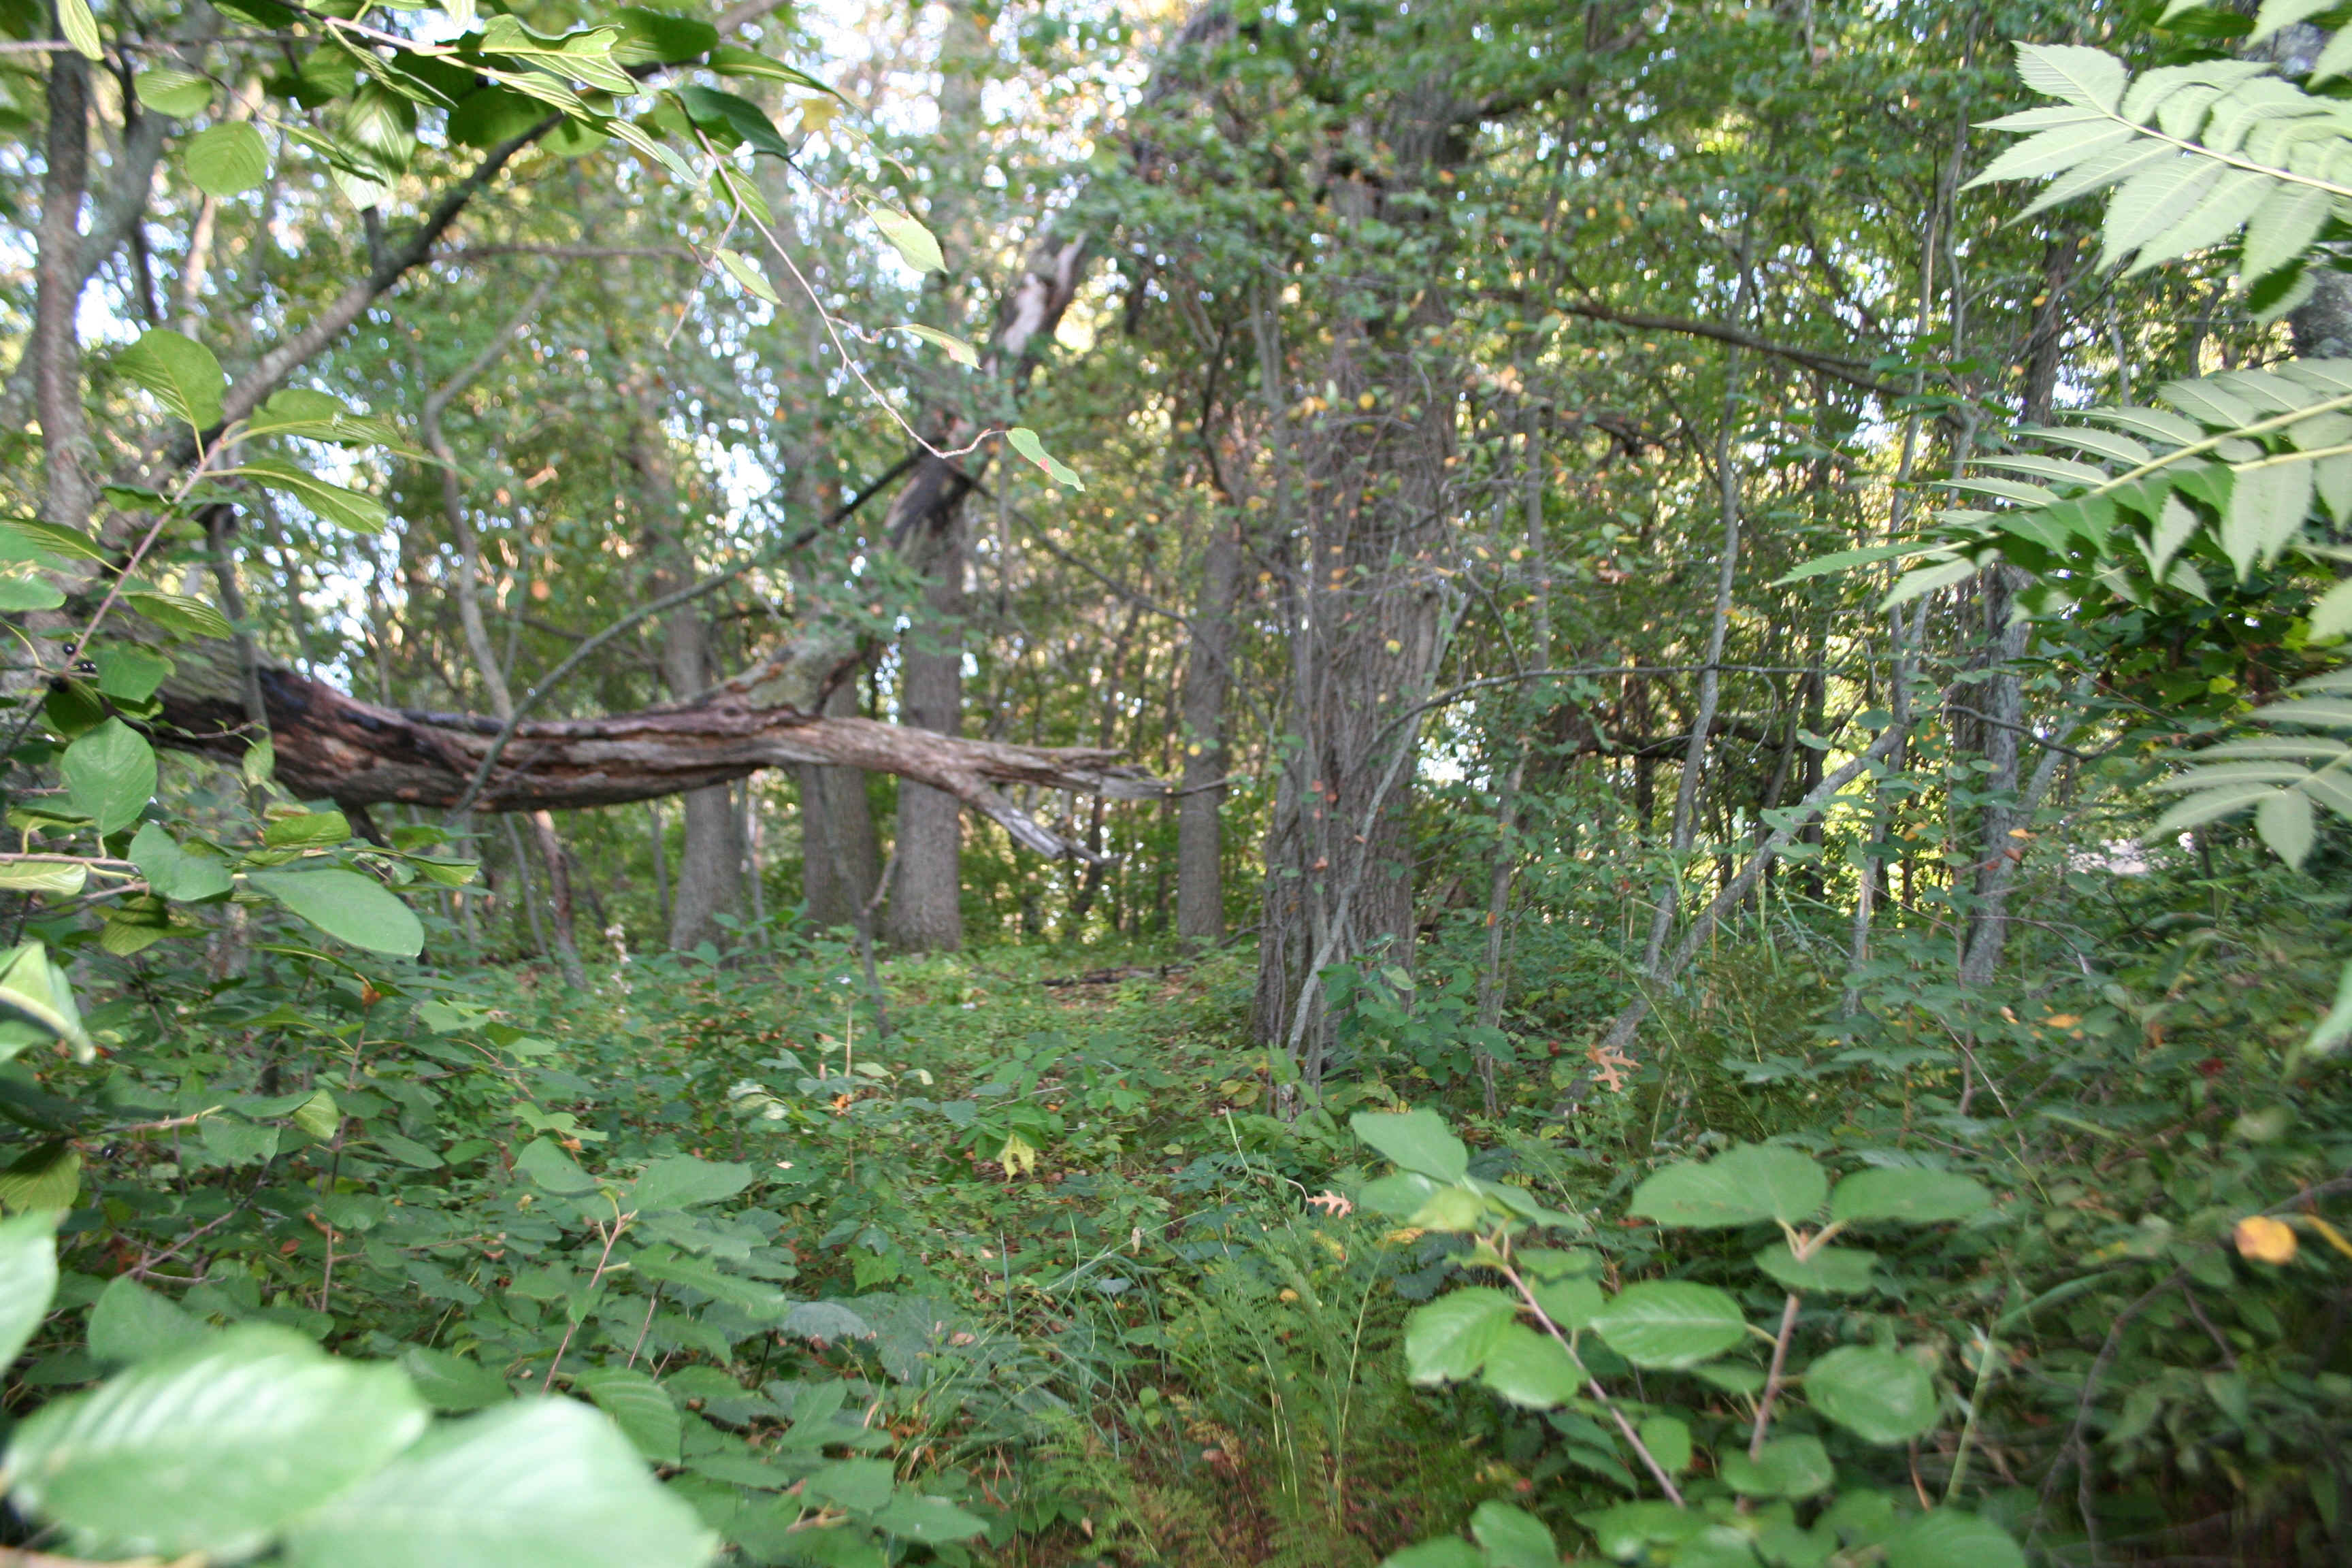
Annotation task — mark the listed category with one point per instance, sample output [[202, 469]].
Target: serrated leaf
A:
[[174, 91], [212, 1449], [1531, 1369], [545, 1163], [2073, 74], [178, 613], [1790, 1467], [1839, 1270], [181, 372], [2332, 615], [1513, 1538], [2199, 809], [683, 1182], [347, 906], [640, 1407], [1415, 1141], [331, 502], [1671, 1324], [2153, 201], [1947, 1538], [2285, 821], [539, 1483], [2056, 151], [1877, 1395], [226, 160], [914, 1517], [2283, 228], [2232, 199], [2333, 60], [2268, 504], [129, 1323], [2277, 14]]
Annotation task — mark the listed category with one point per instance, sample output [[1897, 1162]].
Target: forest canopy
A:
[[1449, 783]]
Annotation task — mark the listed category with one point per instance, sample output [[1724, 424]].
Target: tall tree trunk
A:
[[710, 862], [926, 909], [840, 861], [69, 491], [1208, 678]]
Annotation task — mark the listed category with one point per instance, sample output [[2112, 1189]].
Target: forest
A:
[[1408, 784]]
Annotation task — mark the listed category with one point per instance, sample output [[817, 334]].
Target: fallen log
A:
[[331, 745]]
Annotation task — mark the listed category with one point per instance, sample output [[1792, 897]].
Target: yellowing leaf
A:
[[1019, 1156], [2263, 1240]]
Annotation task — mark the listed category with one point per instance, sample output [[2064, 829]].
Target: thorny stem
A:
[[1593, 1386]]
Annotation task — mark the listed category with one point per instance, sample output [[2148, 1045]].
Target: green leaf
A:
[[740, 118], [1570, 1303], [1795, 1467], [1754, 1182], [130, 673], [178, 613], [640, 1407], [347, 905], [958, 350], [861, 1485], [1448, 1340], [34, 990], [1399, 1195], [2285, 821], [928, 1519], [1668, 1439], [2091, 78], [61, 879], [728, 60], [306, 829], [1447, 1552], [1927, 580], [1671, 1324], [2283, 228], [1839, 1270], [743, 272], [226, 160], [174, 872], [332, 503], [1025, 442], [80, 28], [317, 1117], [1513, 1538], [169, 90], [212, 1449], [2055, 151], [42, 1179], [539, 1483], [907, 236], [659, 38], [1416, 1140], [1531, 1369], [1908, 1194], [129, 1322], [28, 1278], [25, 591], [2154, 200], [452, 1383], [181, 372], [110, 775], [1877, 1395], [1949, 1539], [681, 1182], [545, 1163]]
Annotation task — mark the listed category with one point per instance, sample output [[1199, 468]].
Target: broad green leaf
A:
[[1877, 1395], [452, 1383], [2073, 74], [28, 1278], [539, 1483], [334, 503], [1927, 580], [61, 879], [46, 1177], [80, 28], [305, 828], [2283, 228], [681, 1182], [226, 160], [178, 613], [1448, 1340], [1795, 1467], [2153, 201], [129, 1322], [181, 372], [2228, 203], [1668, 1438], [2054, 150], [347, 905], [1399, 1195], [237, 1142], [176, 872], [1754, 1182], [657, 38], [211, 1449], [728, 60], [1513, 1538], [1416, 1140], [33, 990], [1671, 1324], [27, 591], [1531, 1369], [317, 1117], [545, 1163], [861, 1485], [1445, 1553], [1839, 1270], [169, 90], [110, 775], [1570, 1303], [743, 272], [2285, 821], [1451, 1209], [130, 673], [740, 118], [1908, 1194], [2212, 805], [1025, 442], [907, 236], [960, 351], [1947, 1538], [640, 1407], [913, 1517]]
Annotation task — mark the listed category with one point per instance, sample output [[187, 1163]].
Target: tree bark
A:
[[68, 491], [926, 909], [840, 863], [1208, 677]]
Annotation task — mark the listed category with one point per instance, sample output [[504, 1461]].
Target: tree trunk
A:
[[69, 492], [1208, 676], [839, 858], [926, 910]]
